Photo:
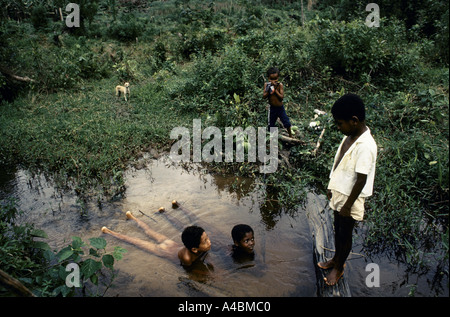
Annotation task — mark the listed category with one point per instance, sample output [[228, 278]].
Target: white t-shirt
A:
[[359, 158]]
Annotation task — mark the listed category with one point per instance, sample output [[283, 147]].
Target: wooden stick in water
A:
[[147, 216]]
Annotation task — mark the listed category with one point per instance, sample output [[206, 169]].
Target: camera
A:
[[269, 87]]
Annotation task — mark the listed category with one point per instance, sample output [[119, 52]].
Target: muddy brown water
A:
[[283, 264], [283, 261]]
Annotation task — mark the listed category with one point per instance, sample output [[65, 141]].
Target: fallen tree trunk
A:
[[321, 226], [314, 152], [290, 140], [15, 77], [14, 285]]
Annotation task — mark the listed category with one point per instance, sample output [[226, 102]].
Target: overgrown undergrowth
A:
[[189, 59]]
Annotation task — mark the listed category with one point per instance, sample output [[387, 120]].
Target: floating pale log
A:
[[177, 205], [321, 226], [192, 218]]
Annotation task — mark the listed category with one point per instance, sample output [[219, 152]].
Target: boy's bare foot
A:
[[334, 276], [326, 265]]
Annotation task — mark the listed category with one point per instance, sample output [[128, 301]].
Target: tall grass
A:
[[188, 59], [88, 136]]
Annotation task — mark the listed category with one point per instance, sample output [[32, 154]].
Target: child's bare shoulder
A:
[[184, 257]]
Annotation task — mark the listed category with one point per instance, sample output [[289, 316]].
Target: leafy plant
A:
[[91, 265], [43, 270], [127, 28]]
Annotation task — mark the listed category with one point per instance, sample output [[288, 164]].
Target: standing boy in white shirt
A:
[[351, 178]]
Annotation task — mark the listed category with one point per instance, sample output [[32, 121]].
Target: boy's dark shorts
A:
[[278, 112]]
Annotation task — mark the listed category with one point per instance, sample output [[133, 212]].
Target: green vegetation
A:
[[207, 59], [25, 256]]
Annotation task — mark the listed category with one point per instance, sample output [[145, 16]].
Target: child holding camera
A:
[[274, 91]]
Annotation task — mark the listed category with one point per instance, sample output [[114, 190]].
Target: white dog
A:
[[124, 90]]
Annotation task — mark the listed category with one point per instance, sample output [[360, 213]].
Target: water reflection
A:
[[282, 263], [219, 202], [264, 197]]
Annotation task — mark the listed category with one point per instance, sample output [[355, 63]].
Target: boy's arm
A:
[[356, 190], [265, 93], [280, 91]]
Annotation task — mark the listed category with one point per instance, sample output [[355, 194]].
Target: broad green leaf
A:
[[65, 253], [25, 280], [236, 98], [63, 290], [94, 279], [89, 267], [118, 252], [41, 245], [94, 252], [98, 243], [62, 273], [49, 255], [77, 243], [38, 233], [108, 261]]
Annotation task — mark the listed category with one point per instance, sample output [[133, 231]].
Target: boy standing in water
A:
[[274, 91], [351, 178]]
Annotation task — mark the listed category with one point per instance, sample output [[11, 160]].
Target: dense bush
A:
[[127, 29], [64, 67], [38, 17], [357, 52], [428, 18], [209, 40], [209, 60], [211, 78]]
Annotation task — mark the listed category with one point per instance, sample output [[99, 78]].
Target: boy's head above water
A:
[[195, 239], [243, 238]]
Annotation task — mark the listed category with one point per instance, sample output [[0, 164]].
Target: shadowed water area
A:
[[283, 264]]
